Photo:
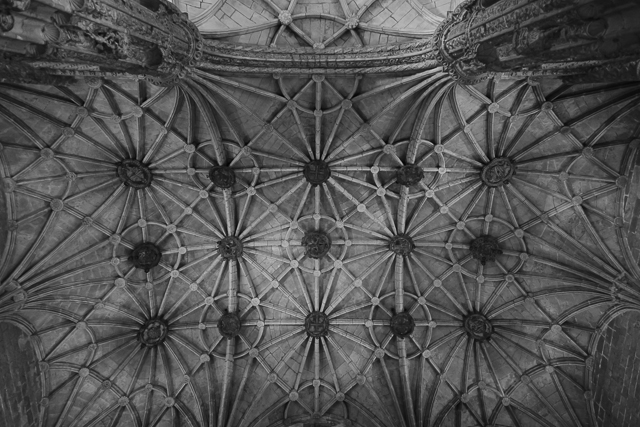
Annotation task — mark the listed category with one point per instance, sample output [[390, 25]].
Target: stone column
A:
[[148, 39], [584, 40]]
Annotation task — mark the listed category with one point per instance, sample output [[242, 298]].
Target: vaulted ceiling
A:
[[310, 22], [379, 250]]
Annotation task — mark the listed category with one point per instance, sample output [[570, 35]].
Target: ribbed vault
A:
[[304, 23], [278, 250]]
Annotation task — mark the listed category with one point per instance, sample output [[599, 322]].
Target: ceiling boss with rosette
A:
[[369, 241]]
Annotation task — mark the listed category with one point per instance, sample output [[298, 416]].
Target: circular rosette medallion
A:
[[406, 166], [409, 175], [401, 244], [222, 177], [133, 173], [237, 172], [387, 326], [317, 172], [314, 243], [229, 325], [485, 248], [146, 254], [497, 172], [402, 325], [238, 318], [316, 324], [482, 246], [230, 247], [153, 332], [478, 326]]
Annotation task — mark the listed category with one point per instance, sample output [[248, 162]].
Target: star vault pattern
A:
[[275, 250]]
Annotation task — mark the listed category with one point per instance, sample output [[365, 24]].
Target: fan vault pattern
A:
[[275, 250]]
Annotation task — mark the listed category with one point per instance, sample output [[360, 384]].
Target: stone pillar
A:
[[585, 40], [148, 39]]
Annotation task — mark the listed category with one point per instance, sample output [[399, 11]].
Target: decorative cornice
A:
[[221, 56]]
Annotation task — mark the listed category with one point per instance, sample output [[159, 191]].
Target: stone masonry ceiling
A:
[[318, 250], [316, 23], [387, 251]]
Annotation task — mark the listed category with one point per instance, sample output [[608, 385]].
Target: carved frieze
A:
[[526, 37], [107, 37], [405, 56]]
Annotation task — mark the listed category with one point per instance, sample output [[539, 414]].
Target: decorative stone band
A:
[[412, 56]]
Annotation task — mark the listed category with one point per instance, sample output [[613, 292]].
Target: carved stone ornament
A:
[[485, 248], [19, 5], [230, 247], [497, 172], [229, 325], [409, 175], [316, 324], [153, 332], [516, 38], [222, 176], [478, 327], [317, 172], [401, 244], [134, 174], [402, 325], [6, 22], [128, 39], [235, 57], [352, 22], [316, 243], [145, 256], [285, 17]]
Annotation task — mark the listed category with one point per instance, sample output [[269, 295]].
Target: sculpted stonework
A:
[[472, 44], [524, 37], [111, 39]]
